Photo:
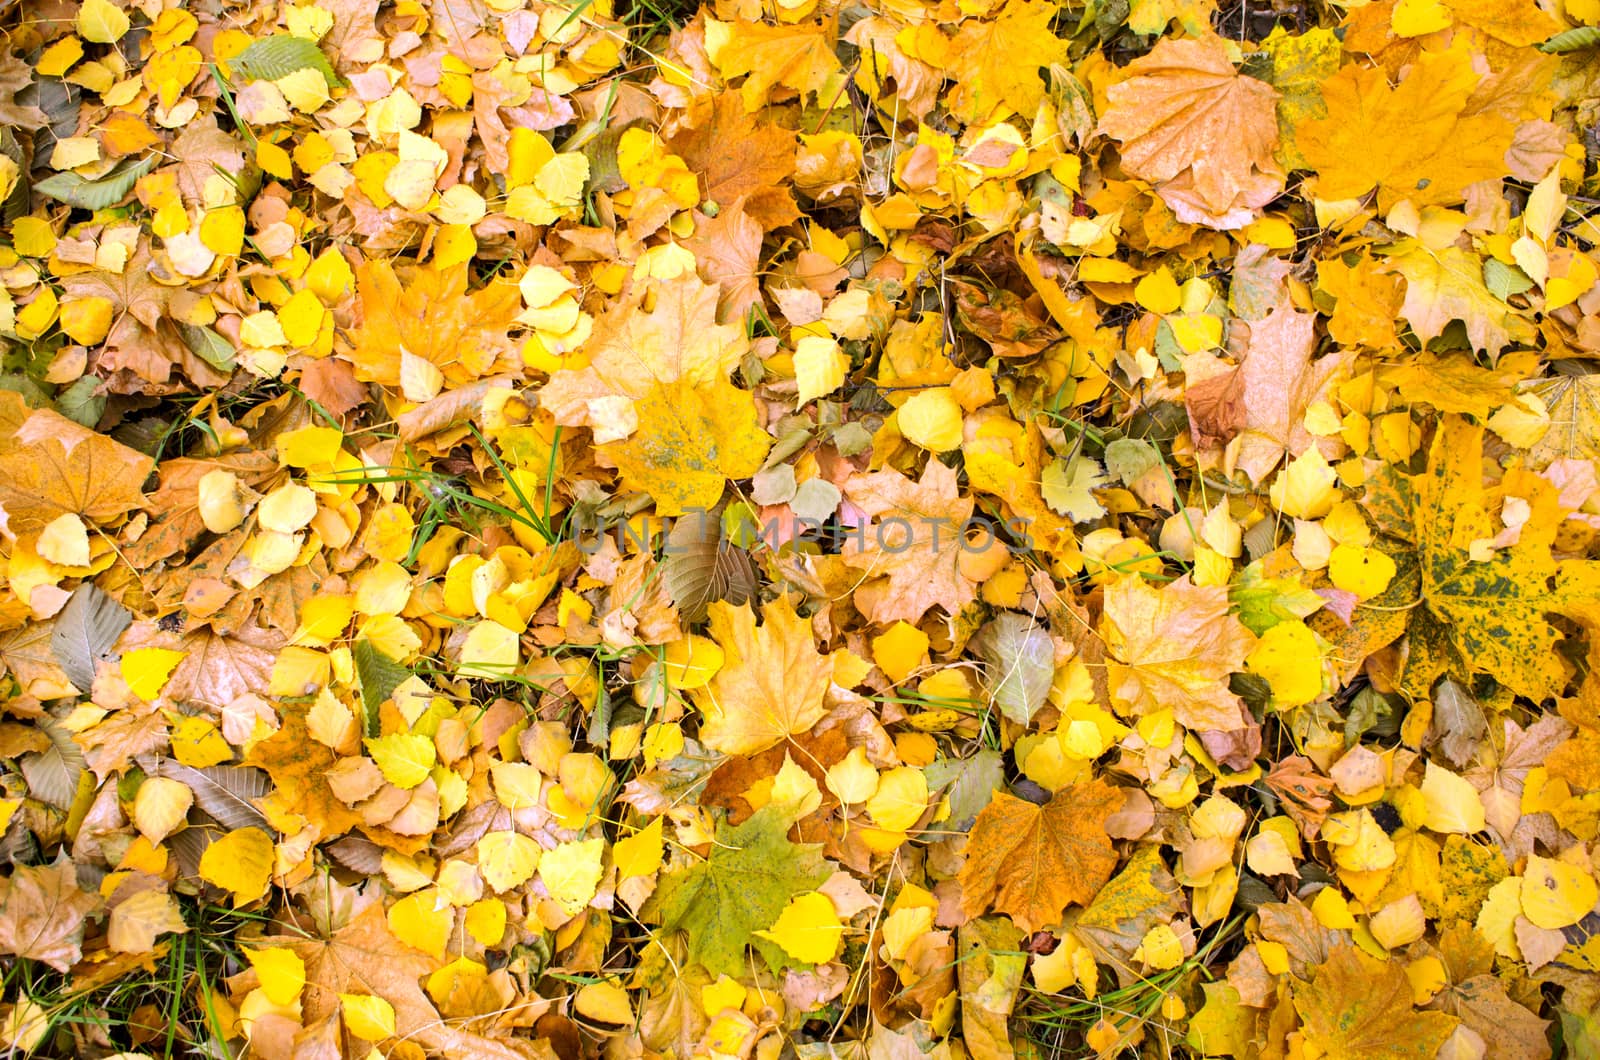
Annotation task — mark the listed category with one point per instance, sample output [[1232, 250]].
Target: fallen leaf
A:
[[1203, 133], [1031, 862]]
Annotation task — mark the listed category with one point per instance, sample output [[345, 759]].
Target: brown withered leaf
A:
[[1279, 381], [1199, 130], [915, 542], [1357, 1008], [52, 467], [42, 914], [365, 958], [1031, 862], [739, 158], [218, 668]]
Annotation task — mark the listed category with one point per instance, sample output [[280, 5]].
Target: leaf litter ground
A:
[[1002, 528]]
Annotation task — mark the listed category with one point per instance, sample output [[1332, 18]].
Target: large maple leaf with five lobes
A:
[[1418, 140], [915, 541], [1031, 862], [752, 872], [1357, 1008], [432, 316], [1202, 132], [1488, 614], [1174, 647], [657, 397], [772, 681]]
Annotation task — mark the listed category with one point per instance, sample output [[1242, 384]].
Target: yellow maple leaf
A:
[[1414, 141], [772, 683], [1174, 647]]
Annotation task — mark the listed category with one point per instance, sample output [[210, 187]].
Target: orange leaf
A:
[[1031, 862]]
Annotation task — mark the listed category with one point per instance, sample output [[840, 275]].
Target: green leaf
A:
[[1572, 40], [79, 402], [1504, 280], [1263, 602], [379, 676], [742, 887], [1020, 660], [972, 782], [101, 193], [281, 55], [208, 345]]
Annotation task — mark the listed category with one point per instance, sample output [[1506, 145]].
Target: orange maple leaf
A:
[[1031, 862], [430, 315]]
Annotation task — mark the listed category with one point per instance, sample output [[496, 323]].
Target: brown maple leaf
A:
[[143, 341], [915, 541], [1357, 1008], [1031, 862], [727, 248], [365, 958], [176, 524], [52, 467], [741, 159], [218, 668], [1204, 134]]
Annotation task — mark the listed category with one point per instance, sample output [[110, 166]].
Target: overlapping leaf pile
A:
[[821, 529]]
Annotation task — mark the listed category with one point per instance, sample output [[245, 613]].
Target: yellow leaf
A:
[[853, 779], [491, 651], [899, 651], [282, 973], [1451, 804], [1160, 948], [571, 872], [146, 670], [820, 367], [220, 501], [639, 854], [1556, 894], [137, 921], [367, 1016], [507, 859], [101, 22], [239, 862], [900, 799], [691, 662], [405, 758], [64, 542], [1158, 292], [160, 807], [932, 419], [808, 929], [772, 684], [1417, 139], [606, 1002], [486, 921], [1307, 488], [87, 320], [1288, 658], [196, 742], [1362, 570], [423, 921]]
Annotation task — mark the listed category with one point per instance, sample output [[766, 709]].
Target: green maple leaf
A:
[[742, 887]]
